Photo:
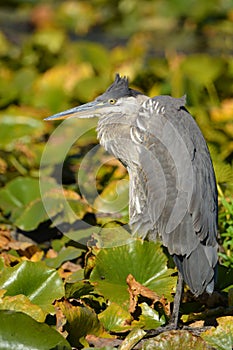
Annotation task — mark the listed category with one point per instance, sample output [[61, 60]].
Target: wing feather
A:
[[178, 187]]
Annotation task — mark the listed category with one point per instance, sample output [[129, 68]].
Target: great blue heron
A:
[[172, 186]]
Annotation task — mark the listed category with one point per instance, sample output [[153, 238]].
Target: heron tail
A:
[[199, 268]]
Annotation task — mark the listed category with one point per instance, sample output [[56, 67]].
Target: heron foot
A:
[[154, 332]]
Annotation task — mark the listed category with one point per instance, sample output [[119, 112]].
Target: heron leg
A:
[[175, 313], [177, 300]]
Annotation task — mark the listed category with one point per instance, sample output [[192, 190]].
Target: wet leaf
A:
[[75, 276], [15, 128], [144, 260], [65, 254], [84, 235], [132, 339], [112, 234], [176, 340], [81, 320], [21, 303], [221, 337], [22, 198], [18, 193], [19, 331], [78, 289], [149, 318], [115, 318], [39, 283]]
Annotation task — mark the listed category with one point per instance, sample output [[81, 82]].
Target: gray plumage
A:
[[172, 192]]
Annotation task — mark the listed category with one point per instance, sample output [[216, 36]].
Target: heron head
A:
[[117, 99]]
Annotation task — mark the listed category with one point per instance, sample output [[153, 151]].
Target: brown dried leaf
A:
[[26, 249], [99, 342], [60, 322], [9, 259], [80, 321], [135, 289], [5, 239], [68, 268], [51, 253]]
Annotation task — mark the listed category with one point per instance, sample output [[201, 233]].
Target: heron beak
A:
[[88, 110]]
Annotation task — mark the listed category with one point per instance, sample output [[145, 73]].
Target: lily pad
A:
[[112, 234], [83, 235], [221, 337], [22, 198], [132, 339], [150, 318], [81, 320], [15, 128], [21, 303], [176, 340], [144, 260], [65, 254], [39, 283], [19, 331], [115, 318]]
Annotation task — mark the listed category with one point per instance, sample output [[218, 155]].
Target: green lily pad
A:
[[150, 318], [65, 254], [21, 303], [19, 331], [81, 320], [144, 260], [35, 280], [115, 318], [221, 337], [112, 234], [176, 340], [83, 235], [76, 276], [132, 339], [78, 289], [22, 198], [19, 192], [64, 137], [15, 128]]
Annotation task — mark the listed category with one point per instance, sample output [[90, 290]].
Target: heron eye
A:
[[112, 101]]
